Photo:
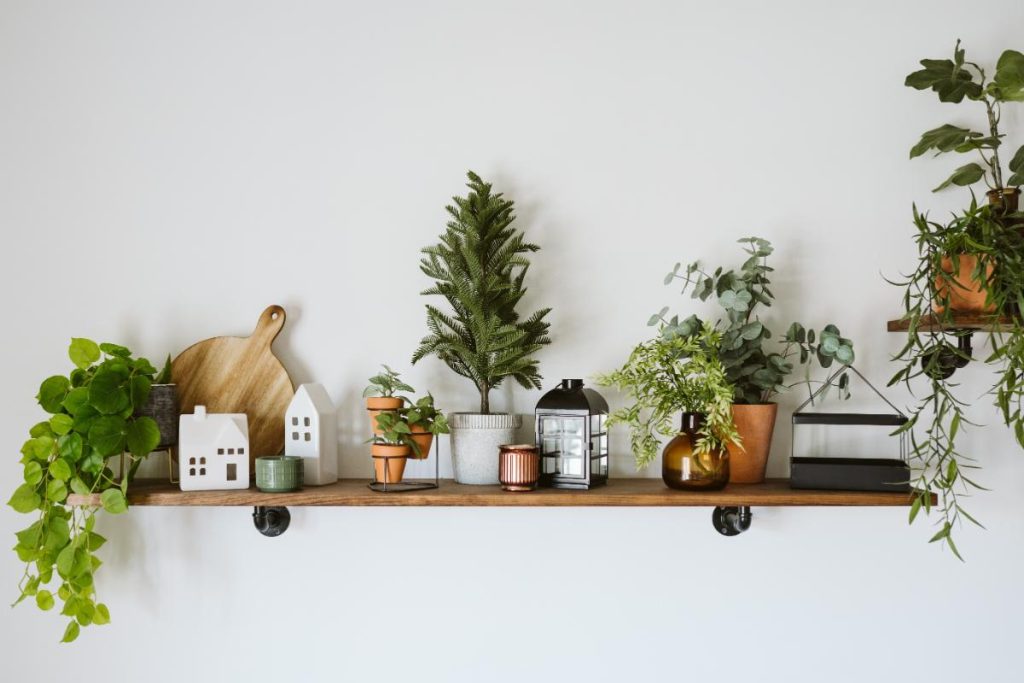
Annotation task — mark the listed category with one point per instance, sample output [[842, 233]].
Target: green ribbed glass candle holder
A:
[[278, 473]]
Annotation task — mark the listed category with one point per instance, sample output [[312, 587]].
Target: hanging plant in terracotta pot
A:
[[756, 373], [392, 447]]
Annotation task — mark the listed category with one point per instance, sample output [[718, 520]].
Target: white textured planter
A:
[[476, 440]]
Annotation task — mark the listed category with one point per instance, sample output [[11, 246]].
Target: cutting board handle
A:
[[269, 325]]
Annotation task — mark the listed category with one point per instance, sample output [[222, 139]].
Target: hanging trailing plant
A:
[[93, 419]]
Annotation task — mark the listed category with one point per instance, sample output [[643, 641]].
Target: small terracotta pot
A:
[[967, 295], [755, 425], [389, 460], [375, 405], [424, 440]]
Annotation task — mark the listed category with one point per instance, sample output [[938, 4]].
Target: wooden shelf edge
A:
[[634, 492], [960, 321]]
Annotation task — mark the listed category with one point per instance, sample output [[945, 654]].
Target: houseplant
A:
[[382, 394], [392, 446], [425, 422], [936, 346], [756, 373], [479, 268], [955, 80], [675, 373], [93, 418], [973, 262]]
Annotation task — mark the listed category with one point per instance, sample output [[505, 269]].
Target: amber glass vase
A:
[[681, 466]]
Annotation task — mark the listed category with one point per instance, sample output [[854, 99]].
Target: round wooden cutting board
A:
[[240, 375]]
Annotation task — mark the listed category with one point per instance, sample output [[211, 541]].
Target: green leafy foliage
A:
[[929, 355], [756, 374], [92, 419], [397, 426], [670, 374], [954, 80], [423, 415], [479, 267], [386, 384]]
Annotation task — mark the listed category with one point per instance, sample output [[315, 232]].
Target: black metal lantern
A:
[[572, 437]]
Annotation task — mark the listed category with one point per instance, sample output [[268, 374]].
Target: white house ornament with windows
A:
[[311, 432], [213, 451]]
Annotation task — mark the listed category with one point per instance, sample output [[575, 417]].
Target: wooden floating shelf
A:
[[960, 321], [617, 493]]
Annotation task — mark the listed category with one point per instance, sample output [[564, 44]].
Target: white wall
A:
[[169, 169]]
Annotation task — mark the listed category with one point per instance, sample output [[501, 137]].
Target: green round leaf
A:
[[113, 501], [33, 473], [25, 499], [71, 446], [59, 469], [102, 615], [76, 400], [56, 491], [83, 352], [829, 345], [107, 435], [44, 600], [71, 632], [844, 354], [61, 423], [115, 350], [143, 436], [139, 391], [107, 392], [52, 393]]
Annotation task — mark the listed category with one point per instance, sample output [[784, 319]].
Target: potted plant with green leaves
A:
[[955, 80], [93, 424], [425, 422], [679, 371], [382, 394], [756, 372], [392, 446], [479, 268]]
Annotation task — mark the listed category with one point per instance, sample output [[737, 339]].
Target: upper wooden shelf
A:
[[960, 321], [617, 493]]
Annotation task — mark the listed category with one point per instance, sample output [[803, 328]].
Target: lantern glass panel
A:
[[551, 426], [597, 424]]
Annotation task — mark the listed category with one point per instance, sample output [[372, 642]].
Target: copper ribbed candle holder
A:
[[518, 467]]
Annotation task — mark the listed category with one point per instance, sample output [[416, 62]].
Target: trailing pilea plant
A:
[[92, 419], [756, 373]]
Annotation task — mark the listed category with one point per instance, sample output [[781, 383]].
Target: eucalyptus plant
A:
[[756, 373], [932, 353], [955, 79], [669, 374], [93, 418]]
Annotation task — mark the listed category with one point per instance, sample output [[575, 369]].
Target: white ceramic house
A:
[[213, 451], [311, 432]]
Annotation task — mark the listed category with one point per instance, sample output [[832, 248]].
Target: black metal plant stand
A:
[[406, 486]]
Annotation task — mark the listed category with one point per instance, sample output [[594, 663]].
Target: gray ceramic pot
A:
[[162, 406], [476, 440]]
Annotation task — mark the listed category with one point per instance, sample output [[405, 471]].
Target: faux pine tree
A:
[[479, 267]]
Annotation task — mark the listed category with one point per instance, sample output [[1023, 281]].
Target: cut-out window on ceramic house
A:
[[572, 436]]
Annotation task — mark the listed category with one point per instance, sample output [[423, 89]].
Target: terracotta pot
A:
[[375, 405], [424, 440], [391, 457], [755, 425], [967, 295]]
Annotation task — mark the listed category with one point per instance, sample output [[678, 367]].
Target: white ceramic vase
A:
[[476, 440]]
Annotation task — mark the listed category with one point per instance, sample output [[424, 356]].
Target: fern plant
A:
[[479, 268]]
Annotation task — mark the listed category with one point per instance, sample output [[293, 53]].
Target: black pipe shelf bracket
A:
[[271, 521], [731, 520]]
